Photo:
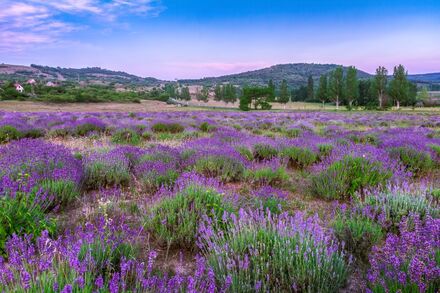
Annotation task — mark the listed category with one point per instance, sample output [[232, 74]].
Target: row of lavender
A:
[[246, 239]]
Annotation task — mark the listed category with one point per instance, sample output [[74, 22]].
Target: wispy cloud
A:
[[35, 22]]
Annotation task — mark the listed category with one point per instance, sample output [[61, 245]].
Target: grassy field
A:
[[155, 106]]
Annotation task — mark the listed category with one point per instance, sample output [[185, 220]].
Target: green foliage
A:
[[63, 191], [21, 215], [417, 162], [185, 94], [86, 128], [346, 177], [167, 127], [225, 168], [336, 85], [310, 89], [284, 93], [398, 204], [8, 133], [358, 232], [126, 136], [33, 133], [379, 86], [272, 203], [264, 151], [351, 87], [399, 86], [299, 157], [245, 152], [258, 97], [153, 180], [274, 261], [325, 150], [106, 257], [174, 220], [322, 93], [267, 176], [206, 127], [293, 132], [103, 174]]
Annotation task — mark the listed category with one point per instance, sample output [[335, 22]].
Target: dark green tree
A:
[[272, 89], [229, 93], [351, 87], [322, 93], [258, 97], [284, 93], [203, 94], [336, 85], [399, 86], [380, 85], [366, 97], [184, 94], [310, 89], [218, 93]]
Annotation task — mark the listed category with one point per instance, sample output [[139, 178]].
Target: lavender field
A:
[[219, 202]]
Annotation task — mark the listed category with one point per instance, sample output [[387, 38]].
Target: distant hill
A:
[[295, 74], [425, 78], [92, 75]]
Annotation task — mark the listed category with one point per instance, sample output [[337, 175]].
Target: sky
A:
[[171, 39]]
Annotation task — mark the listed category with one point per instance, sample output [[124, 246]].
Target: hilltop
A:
[[296, 75], [92, 75]]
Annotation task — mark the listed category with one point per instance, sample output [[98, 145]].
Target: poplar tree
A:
[[336, 85], [351, 87], [322, 93]]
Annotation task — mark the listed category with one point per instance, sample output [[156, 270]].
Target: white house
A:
[[51, 84], [19, 88]]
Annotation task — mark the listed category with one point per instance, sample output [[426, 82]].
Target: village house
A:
[[31, 81], [18, 87]]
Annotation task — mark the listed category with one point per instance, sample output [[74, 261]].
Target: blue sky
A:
[[190, 39]]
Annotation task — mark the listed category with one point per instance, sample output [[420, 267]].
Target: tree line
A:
[[345, 88]]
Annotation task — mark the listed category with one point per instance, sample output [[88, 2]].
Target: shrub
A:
[[293, 132], [147, 135], [270, 199], [8, 133], [358, 232], [324, 150], [174, 220], [245, 152], [64, 191], [154, 174], [225, 168], [417, 162], [126, 136], [299, 157], [264, 152], [206, 127], [33, 133], [267, 176], [409, 262], [22, 214], [261, 252], [106, 169], [395, 205], [86, 128], [344, 178], [167, 127]]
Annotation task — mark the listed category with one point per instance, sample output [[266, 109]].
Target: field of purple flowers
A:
[[219, 202]]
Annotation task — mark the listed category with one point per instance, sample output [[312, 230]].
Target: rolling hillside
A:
[[295, 74], [93, 75]]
